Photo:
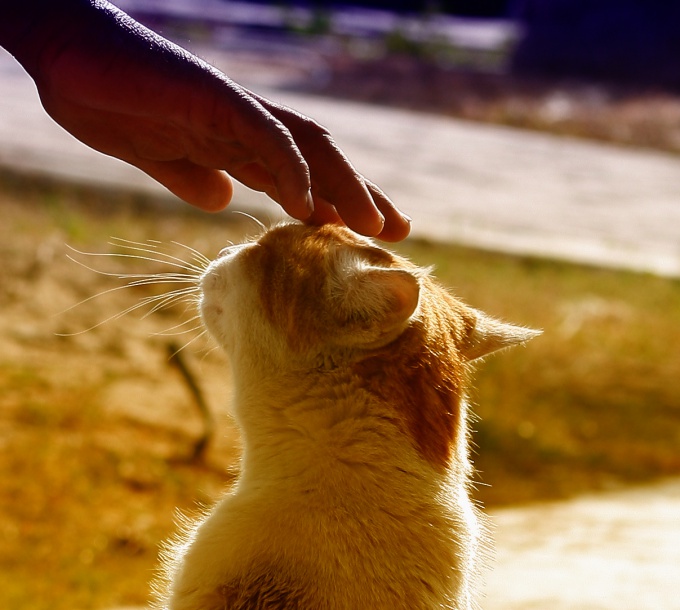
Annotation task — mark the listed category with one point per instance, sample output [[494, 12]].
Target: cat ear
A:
[[376, 304], [489, 335]]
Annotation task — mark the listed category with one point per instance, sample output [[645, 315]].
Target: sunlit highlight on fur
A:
[[350, 368]]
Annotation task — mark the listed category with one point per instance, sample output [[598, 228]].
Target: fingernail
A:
[[309, 200]]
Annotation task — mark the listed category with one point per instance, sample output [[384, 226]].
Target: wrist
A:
[[30, 28]]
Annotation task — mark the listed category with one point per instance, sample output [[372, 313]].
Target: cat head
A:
[[301, 293], [304, 299]]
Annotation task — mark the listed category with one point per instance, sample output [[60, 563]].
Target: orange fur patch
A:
[[293, 275], [422, 375]]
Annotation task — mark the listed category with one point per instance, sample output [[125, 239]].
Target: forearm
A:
[[128, 92]]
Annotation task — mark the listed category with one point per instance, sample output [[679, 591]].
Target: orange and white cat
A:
[[350, 366]]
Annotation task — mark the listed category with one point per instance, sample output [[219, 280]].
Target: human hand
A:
[[127, 92]]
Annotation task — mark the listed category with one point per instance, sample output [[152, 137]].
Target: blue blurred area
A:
[[229, 23], [280, 14], [634, 42], [624, 41], [464, 8]]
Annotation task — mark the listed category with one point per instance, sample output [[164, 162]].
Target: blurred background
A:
[[535, 145], [562, 65]]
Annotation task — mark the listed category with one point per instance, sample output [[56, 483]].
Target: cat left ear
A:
[[490, 335], [377, 304]]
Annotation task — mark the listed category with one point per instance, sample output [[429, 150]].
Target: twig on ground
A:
[[177, 360]]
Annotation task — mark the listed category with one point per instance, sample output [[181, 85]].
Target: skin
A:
[[127, 92]]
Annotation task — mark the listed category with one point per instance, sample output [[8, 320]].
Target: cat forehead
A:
[[309, 243], [296, 234]]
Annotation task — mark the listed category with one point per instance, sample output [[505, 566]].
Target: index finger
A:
[[273, 146], [335, 181]]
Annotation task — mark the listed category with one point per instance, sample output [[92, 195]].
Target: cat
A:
[[350, 365]]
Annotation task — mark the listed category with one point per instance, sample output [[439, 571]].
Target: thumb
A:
[[209, 189]]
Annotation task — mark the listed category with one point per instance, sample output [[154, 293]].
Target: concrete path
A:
[[494, 187], [610, 551]]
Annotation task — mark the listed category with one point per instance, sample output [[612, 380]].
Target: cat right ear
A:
[[490, 335], [375, 305]]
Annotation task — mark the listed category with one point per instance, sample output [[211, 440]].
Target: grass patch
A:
[[591, 404], [95, 428]]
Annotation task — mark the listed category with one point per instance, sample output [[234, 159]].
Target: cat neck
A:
[[322, 429]]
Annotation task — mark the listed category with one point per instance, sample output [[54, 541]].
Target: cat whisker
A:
[[169, 260], [257, 221], [158, 278], [185, 276], [180, 264], [150, 248], [208, 351], [166, 275], [179, 332], [115, 316], [140, 281], [198, 256], [188, 343], [129, 242], [92, 297], [187, 290], [165, 300], [158, 256], [171, 330]]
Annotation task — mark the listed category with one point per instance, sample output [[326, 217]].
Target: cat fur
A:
[[350, 366]]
